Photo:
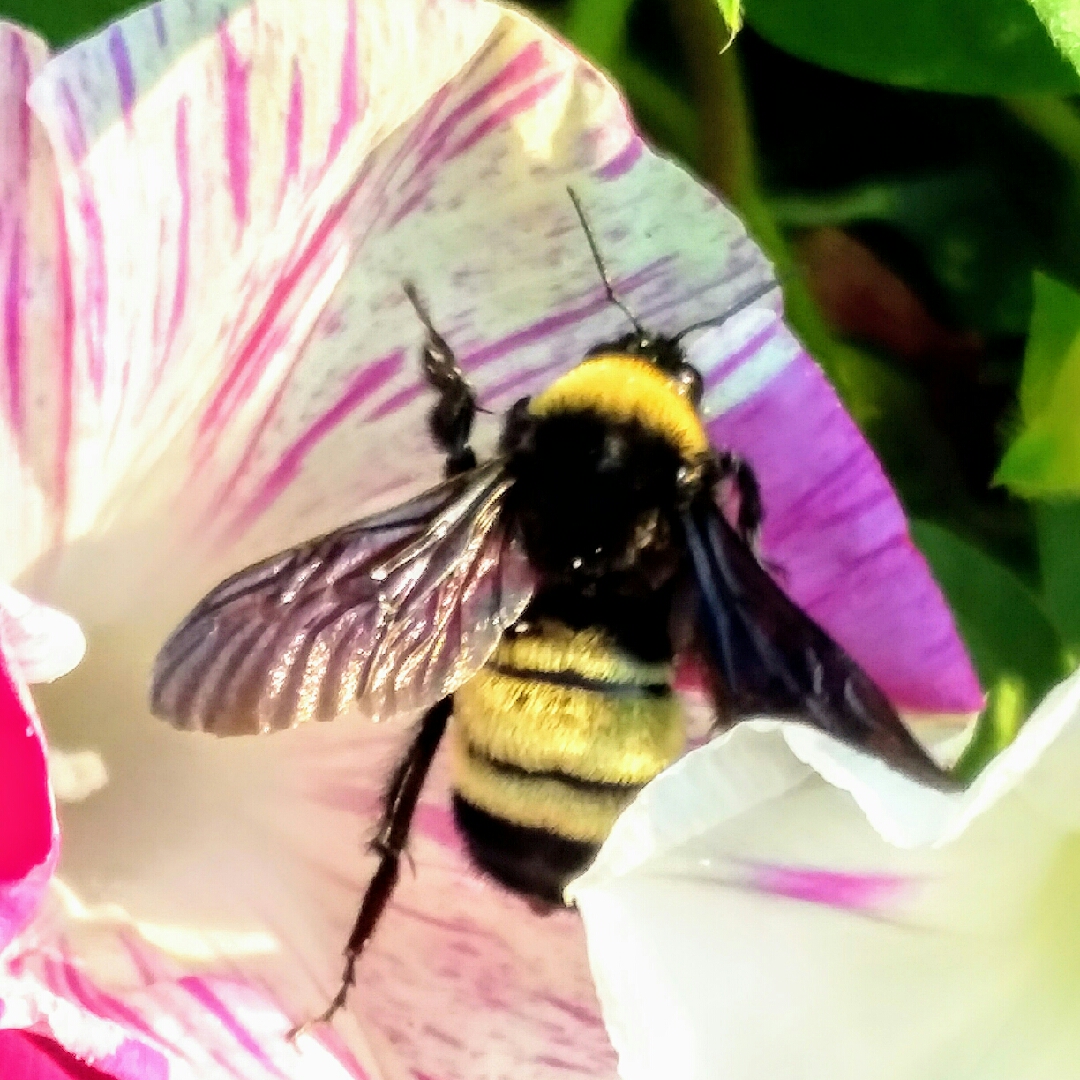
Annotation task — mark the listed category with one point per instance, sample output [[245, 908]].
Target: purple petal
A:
[[837, 532]]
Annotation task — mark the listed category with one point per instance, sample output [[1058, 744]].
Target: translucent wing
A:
[[774, 659], [390, 613]]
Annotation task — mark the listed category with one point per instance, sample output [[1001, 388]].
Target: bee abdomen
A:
[[561, 730]]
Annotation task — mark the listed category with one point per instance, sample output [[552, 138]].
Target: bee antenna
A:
[[739, 305], [600, 264]]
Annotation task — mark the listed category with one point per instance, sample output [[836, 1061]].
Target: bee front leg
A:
[[451, 418], [399, 805]]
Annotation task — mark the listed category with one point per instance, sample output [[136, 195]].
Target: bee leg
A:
[[451, 418], [748, 523], [399, 805]]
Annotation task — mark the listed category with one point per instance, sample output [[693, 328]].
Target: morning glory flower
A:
[[206, 215]]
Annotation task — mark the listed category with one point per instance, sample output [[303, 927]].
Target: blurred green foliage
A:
[[964, 46], [1062, 21], [62, 21], [1044, 459], [913, 170], [1017, 649]]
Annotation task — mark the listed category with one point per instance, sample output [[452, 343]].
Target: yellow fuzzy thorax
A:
[[588, 652], [623, 388]]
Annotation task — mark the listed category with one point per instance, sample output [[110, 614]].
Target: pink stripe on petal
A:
[[406, 208], [548, 326], [397, 401], [160, 30], [365, 383], [294, 123], [577, 1012], [237, 123], [64, 977], [95, 287], [227, 487], [736, 359], [71, 123], [527, 63], [557, 1063], [623, 161], [855, 892], [437, 824], [125, 77], [837, 531], [515, 106], [200, 990], [532, 379], [65, 391], [183, 226], [254, 353], [13, 329], [349, 105], [20, 76]]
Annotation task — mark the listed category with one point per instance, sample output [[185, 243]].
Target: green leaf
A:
[[960, 46], [1058, 530], [1044, 459], [1055, 325], [598, 28], [1062, 21], [1017, 650], [62, 21], [732, 12]]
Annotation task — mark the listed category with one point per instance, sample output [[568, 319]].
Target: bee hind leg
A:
[[451, 418], [399, 805]]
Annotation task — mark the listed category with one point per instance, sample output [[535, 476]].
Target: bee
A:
[[534, 604]]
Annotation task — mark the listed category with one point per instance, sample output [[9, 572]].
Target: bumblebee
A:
[[534, 604]]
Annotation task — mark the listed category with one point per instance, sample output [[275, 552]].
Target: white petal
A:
[[40, 641], [747, 918]]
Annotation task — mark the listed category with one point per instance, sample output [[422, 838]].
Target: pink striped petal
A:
[[261, 380], [233, 367], [202, 941]]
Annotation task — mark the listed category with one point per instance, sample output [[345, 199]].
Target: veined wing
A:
[[390, 614], [774, 659]]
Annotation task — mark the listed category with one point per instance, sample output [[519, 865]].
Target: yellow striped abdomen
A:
[[561, 729]]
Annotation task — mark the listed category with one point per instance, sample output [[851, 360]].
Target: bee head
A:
[[596, 499]]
